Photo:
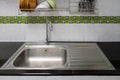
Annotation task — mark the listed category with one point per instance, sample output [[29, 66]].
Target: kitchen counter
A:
[[7, 49], [10, 48]]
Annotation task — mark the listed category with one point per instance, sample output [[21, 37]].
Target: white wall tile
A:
[[10, 32], [22, 33], [110, 32], [109, 7], [84, 32], [9, 7], [67, 32], [35, 33]]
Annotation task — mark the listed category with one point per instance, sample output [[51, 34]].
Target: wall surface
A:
[[105, 8], [84, 32], [22, 33], [81, 32]]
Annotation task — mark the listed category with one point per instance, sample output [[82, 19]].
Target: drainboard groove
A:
[[84, 63]]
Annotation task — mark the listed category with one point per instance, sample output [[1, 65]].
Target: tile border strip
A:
[[60, 19]]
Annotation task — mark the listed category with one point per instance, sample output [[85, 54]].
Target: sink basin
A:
[[41, 56]]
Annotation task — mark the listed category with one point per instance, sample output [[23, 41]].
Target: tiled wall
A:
[[67, 32], [83, 32], [22, 32]]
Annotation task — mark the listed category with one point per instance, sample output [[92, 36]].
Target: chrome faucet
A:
[[49, 28]]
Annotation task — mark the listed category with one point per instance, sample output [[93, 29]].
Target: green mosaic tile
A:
[[11, 17], [19, 18], [60, 19], [118, 21], [0, 21], [4, 17]]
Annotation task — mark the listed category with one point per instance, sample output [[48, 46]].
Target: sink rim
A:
[[64, 57], [10, 62]]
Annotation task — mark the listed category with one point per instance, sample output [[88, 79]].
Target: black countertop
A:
[[7, 49], [111, 50]]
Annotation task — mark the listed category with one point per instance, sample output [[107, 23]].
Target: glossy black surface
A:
[[7, 49], [112, 51]]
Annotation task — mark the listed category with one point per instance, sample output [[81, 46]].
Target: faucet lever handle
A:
[[50, 26]]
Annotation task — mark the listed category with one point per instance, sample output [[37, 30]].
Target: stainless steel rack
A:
[[83, 6]]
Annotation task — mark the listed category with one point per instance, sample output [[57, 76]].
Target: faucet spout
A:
[[49, 28]]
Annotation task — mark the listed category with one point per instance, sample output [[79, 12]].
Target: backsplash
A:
[[60, 19]]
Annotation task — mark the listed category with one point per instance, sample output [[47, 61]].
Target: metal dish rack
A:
[[83, 6], [61, 5]]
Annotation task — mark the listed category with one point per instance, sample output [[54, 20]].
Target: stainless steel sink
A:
[[59, 56], [41, 56]]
